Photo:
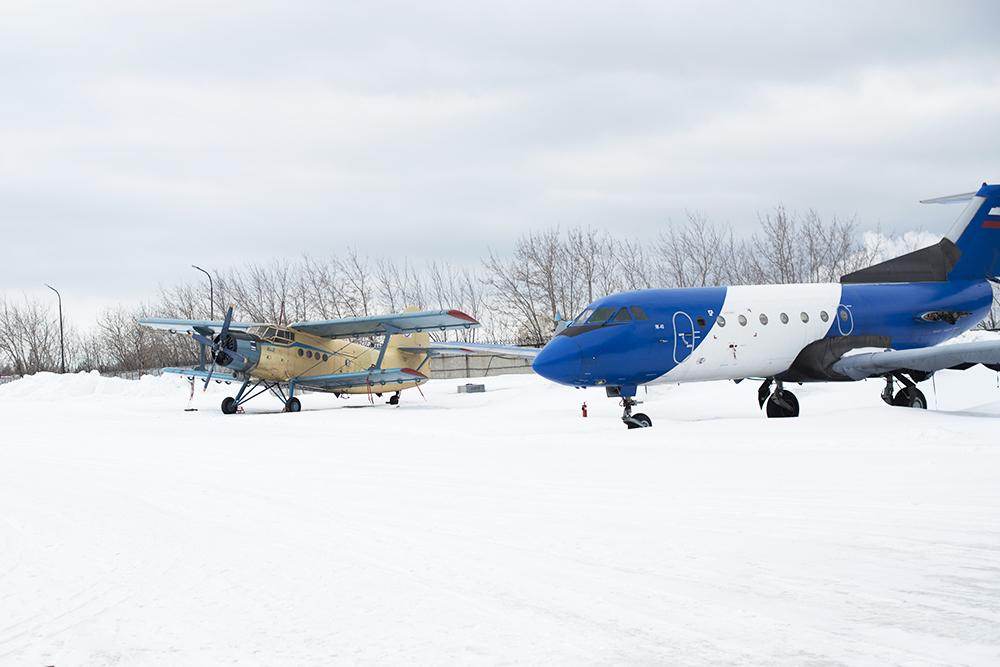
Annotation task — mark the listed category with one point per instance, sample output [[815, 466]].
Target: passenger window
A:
[[301, 352], [701, 322], [763, 318], [638, 314], [804, 316], [783, 318], [622, 316], [309, 354], [721, 321], [823, 316], [600, 316], [325, 357], [843, 315], [742, 320]]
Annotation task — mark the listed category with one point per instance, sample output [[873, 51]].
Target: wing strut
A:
[[389, 331]]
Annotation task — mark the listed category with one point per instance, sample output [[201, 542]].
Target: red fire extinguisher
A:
[[584, 409]]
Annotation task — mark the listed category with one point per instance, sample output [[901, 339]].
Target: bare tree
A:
[[29, 336]]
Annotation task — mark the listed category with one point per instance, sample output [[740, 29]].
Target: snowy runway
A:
[[498, 528]]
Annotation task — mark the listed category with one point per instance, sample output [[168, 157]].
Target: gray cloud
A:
[[137, 140]]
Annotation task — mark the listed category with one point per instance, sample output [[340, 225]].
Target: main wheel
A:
[[910, 397], [394, 399], [293, 405], [639, 420], [229, 405], [786, 406]]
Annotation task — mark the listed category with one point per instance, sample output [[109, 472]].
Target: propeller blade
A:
[[209, 377], [204, 341], [226, 323]]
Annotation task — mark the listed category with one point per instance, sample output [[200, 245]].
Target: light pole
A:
[[62, 345], [211, 291]]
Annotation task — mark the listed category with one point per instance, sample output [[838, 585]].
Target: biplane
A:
[[319, 356]]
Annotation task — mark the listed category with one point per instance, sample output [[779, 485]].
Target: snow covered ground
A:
[[499, 528]]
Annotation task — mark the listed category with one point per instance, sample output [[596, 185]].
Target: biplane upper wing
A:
[[476, 348], [397, 323], [374, 378], [927, 359], [204, 327]]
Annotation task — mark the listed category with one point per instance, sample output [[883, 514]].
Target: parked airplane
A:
[[886, 320], [316, 355]]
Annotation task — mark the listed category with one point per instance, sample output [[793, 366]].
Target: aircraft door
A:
[[684, 336]]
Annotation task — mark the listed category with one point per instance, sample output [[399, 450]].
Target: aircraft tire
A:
[[639, 420], [775, 410], [229, 405], [293, 405], [902, 399]]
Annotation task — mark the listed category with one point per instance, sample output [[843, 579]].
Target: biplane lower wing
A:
[[373, 378], [196, 373], [926, 359]]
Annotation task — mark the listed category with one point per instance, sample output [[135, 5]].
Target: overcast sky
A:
[[137, 139]]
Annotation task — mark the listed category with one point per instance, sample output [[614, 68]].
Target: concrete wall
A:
[[476, 366]]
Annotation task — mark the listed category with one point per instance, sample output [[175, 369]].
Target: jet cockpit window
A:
[[622, 316], [600, 316], [583, 317], [638, 314]]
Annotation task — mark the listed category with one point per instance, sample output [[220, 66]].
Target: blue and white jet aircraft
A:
[[886, 320]]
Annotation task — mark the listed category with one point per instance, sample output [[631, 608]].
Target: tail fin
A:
[[976, 234], [969, 251]]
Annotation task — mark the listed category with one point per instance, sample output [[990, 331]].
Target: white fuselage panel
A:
[[756, 349]]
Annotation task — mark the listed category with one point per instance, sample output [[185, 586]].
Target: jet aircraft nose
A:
[[559, 360]]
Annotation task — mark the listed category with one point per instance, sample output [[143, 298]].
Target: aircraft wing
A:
[[373, 378], [218, 376], [379, 325], [928, 359], [204, 327], [435, 349]]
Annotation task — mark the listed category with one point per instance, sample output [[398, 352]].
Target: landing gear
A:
[[293, 405], [394, 399], [908, 397], [638, 420], [229, 406], [781, 403]]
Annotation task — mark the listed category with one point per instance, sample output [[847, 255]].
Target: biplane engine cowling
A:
[[242, 343]]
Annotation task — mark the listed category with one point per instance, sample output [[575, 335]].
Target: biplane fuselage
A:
[[286, 355]]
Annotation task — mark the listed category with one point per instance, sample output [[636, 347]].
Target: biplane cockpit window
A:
[[270, 332]]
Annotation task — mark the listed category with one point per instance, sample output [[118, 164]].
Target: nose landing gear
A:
[[638, 420]]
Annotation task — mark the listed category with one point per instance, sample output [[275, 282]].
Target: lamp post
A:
[[62, 345], [211, 291]]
